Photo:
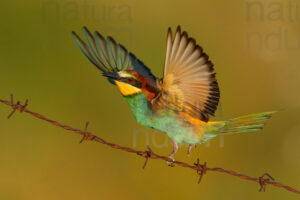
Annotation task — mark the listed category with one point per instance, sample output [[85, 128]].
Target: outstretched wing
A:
[[189, 83], [108, 56]]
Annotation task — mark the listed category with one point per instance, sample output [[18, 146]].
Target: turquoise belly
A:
[[162, 120]]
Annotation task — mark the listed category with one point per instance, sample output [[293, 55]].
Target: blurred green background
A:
[[254, 45]]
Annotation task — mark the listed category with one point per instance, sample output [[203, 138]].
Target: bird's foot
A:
[[171, 164], [171, 156]]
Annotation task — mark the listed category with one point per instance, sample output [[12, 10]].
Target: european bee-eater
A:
[[180, 103]]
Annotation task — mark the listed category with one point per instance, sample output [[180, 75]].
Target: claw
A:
[[171, 164]]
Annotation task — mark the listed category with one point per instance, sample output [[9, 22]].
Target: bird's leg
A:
[[190, 149], [175, 149]]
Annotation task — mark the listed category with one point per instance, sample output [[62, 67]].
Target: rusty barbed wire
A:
[[201, 169]]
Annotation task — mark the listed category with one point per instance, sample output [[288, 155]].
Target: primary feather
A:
[[189, 83], [109, 56]]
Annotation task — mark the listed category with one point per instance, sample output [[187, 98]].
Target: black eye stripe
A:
[[126, 79], [134, 82]]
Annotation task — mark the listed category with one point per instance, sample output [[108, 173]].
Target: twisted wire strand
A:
[[201, 169]]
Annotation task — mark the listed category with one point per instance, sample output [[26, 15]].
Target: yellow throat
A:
[[127, 89]]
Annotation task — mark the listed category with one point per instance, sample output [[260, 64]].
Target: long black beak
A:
[[112, 75]]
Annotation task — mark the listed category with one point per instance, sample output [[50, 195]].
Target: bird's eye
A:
[[130, 79]]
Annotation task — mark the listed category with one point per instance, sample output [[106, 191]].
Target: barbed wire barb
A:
[[16, 106], [86, 135], [201, 169], [149, 154], [263, 181]]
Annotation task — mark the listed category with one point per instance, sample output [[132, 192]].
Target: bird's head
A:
[[131, 83], [121, 67]]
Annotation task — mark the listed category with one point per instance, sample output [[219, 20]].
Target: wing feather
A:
[[175, 47], [85, 50], [189, 83], [108, 55], [182, 46], [102, 51]]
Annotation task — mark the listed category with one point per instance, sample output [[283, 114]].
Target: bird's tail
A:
[[248, 123]]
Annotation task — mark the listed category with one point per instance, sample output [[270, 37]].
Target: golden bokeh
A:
[[254, 44]]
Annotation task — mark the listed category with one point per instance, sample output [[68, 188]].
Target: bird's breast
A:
[[179, 127]]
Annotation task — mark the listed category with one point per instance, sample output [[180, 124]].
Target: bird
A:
[[180, 103]]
